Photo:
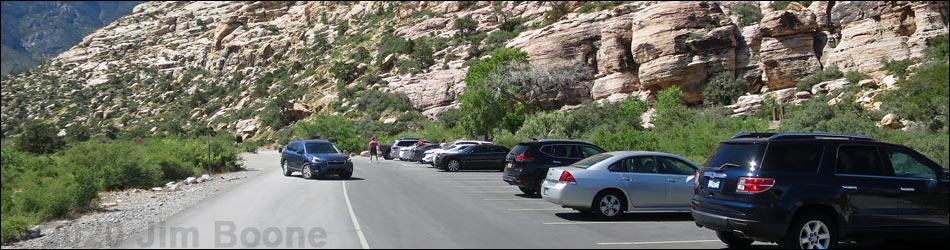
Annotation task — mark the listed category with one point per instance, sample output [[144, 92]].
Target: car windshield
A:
[[460, 148], [590, 161], [322, 148]]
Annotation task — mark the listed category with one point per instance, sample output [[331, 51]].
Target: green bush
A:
[[558, 9], [939, 48], [827, 74], [855, 76], [922, 97], [465, 26], [38, 137], [622, 138], [513, 24], [898, 68], [724, 89], [335, 129], [593, 6], [116, 165], [670, 110], [749, 13]]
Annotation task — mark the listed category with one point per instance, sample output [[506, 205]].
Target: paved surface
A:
[[394, 204]]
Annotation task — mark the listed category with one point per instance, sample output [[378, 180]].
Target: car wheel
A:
[[811, 231], [306, 171], [346, 175], [284, 169], [526, 190], [732, 240], [538, 183], [609, 205], [453, 166]]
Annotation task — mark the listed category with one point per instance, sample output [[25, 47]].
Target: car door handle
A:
[[671, 180], [850, 187], [556, 162], [626, 178], [906, 189]]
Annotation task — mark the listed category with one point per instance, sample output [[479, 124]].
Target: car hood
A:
[[330, 157]]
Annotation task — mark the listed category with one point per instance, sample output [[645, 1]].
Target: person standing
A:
[[373, 150]]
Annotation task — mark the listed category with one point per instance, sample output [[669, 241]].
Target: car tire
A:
[[816, 230], [345, 176], [538, 183], [526, 190], [306, 172], [285, 169], [453, 166], [609, 205], [732, 240]]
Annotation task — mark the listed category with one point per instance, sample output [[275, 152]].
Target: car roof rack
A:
[[774, 136]]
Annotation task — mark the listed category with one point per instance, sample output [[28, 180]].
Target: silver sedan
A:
[[611, 183]]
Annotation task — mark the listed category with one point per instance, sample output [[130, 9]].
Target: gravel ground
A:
[[125, 213]]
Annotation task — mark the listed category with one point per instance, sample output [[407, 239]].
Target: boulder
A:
[[891, 121], [829, 86], [784, 96], [364, 154], [889, 82], [614, 83], [868, 83], [190, 180], [788, 22]]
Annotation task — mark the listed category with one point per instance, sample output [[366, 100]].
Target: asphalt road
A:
[[394, 204]]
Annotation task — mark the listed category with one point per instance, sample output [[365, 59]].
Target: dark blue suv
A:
[[813, 190], [315, 158]]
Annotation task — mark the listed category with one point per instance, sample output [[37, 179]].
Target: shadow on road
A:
[[629, 217], [334, 178], [529, 196]]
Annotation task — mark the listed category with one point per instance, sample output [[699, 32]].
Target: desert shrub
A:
[[827, 74], [922, 97], [855, 76], [749, 13], [38, 137], [724, 89], [898, 68], [670, 110], [335, 129], [598, 6]]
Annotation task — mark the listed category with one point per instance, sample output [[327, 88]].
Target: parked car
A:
[[399, 144], [430, 154], [813, 190], [482, 156], [384, 150], [315, 158], [528, 162], [611, 183], [417, 153], [438, 156]]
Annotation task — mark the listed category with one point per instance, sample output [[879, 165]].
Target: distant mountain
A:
[[35, 31]]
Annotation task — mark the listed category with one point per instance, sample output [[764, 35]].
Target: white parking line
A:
[[657, 242], [591, 222], [356, 225], [489, 192], [483, 186], [540, 209], [511, 200]]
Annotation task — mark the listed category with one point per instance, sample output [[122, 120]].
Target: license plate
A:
[[508, 165], [545, 192], [713, 183]]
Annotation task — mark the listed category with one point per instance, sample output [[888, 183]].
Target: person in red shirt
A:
[[373, 150]]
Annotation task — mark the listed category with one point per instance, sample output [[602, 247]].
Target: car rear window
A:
[[792, 158], [405, 143], [745, 155], [519, 149], [590, 161]]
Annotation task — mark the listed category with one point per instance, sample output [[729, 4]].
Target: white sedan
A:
[[611, 183]]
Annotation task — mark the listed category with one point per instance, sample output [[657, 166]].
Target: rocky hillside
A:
[[254, 67], [36, 31]]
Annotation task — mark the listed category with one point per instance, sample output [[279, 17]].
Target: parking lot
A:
[[410, 205], [405, 205]]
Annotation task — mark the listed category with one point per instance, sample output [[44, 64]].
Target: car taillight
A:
[[696, 179], [567, 177], [523, 158], [749, 185]]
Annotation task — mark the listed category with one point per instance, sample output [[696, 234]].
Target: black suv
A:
[[528, 162], [812, 190]]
